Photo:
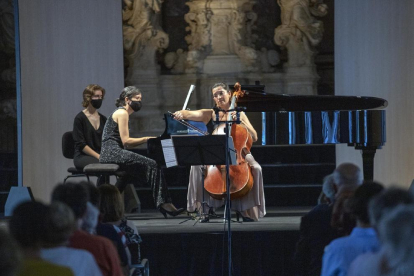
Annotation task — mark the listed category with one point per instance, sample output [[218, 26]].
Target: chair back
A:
[[68, 145]]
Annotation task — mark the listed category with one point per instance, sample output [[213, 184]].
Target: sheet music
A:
[[169, 153]]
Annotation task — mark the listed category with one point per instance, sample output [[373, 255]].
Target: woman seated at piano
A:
[[116, 141], [88, 127], [251, 207]]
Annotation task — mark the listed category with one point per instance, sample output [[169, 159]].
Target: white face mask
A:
[[90, 219]]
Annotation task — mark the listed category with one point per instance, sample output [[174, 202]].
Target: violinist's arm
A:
[[245, 121], [202, 115], [121, 117]]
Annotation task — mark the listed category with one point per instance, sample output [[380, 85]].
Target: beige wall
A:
[[374, 42], [65, 45]]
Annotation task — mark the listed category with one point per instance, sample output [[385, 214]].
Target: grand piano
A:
[[308, 120]]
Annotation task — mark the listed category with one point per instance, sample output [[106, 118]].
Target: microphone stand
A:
[[228, 200]]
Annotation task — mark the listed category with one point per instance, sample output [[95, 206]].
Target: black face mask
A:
[[135, 105], [96, 103]]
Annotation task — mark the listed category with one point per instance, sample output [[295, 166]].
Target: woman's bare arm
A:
[[121, 117], [245, 121], [202, 115]]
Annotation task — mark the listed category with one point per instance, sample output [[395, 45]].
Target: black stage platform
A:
[[177, 246]]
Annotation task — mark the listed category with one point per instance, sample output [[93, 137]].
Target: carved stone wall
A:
[[274, 42]]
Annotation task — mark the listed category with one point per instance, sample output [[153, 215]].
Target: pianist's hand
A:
[[148, 137]]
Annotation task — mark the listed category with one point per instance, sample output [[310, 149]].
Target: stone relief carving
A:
[[8, 75], [220, 28], [142, 34], [300, 32], [8, 71], [176, 61], [268, 60]]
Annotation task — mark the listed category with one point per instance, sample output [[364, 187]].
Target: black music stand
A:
[[203, 150]]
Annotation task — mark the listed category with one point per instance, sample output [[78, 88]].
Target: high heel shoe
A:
[[171, 213], [245, 219]]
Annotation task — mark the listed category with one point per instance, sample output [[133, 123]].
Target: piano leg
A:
[[368, 163]]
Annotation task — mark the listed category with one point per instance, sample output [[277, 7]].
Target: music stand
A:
[[203, 150]]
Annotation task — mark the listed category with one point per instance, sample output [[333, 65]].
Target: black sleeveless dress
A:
[[136, 165]]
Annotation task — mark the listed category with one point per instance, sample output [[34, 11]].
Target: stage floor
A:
[[276, 219], [152, 222]]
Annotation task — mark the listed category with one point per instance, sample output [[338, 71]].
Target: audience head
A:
[[27, 224], [91, 217], [385, 201], [358, 204], [93, 192], [74, 195], [347, 176], [328, 188], [59, 225], [10, 256], [112, 205], [396, 232]]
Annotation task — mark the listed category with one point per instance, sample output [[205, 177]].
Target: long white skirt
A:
[[253, 203]]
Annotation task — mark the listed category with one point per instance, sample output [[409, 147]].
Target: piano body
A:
[[309, 120]]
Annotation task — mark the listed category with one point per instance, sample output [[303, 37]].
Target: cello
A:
[[241, 178]]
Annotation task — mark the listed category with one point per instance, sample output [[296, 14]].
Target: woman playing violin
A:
[[249, 207]]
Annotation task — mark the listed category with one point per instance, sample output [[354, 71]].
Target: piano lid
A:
[[255, 101]]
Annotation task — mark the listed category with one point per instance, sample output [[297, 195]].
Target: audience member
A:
[[315, 229], [10, 255], [396, 231], [342, 251], [347, 178], [76, 197], [381, 205], [328, 190], [112, 210], [59, 226], [27, 227], [93, 225], [387, 200]]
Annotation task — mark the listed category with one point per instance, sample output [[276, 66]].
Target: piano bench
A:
[[106, 170]]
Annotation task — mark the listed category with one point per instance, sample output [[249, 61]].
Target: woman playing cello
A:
[[249, 207]]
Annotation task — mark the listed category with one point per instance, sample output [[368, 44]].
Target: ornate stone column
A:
[[300, 32], [143, 37], [219, 39]]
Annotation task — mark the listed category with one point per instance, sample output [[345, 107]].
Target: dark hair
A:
[[94, 194], [74, 195], [358, 204], [27, 224], [88, 93], [127, 92], [112, 205], [222, 84], [387, 200]]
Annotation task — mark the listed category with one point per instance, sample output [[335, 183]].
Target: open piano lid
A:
[[256, 99]]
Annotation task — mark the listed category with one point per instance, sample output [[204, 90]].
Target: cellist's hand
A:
[[178, 115], [234, 115]]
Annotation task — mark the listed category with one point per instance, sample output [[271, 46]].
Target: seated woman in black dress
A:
[[116, 140], [88, 127]]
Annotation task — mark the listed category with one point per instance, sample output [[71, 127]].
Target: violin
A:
[[241, 178]]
